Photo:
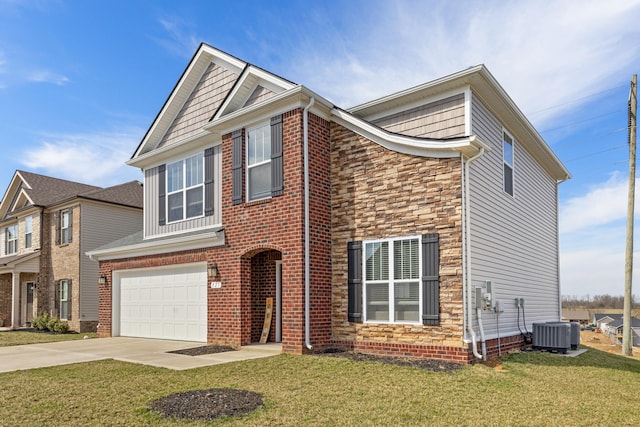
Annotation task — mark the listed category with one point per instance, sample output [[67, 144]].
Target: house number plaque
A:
[[216, 285]]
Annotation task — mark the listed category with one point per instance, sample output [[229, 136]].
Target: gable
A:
[[202, 103]]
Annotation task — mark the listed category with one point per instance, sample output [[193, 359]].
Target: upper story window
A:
[[392, 280], [11, 244], [507, 157], [259, 162], [28, 231], [185, 188], [65, 226]]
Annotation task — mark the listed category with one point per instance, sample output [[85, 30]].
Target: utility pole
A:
[[627, 340]]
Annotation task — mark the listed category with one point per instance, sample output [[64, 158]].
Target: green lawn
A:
[[536, 389], [25, 337]]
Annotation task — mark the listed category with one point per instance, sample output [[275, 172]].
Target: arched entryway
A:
[[261, 282]]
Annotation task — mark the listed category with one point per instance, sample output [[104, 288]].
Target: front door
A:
[[29, 302]]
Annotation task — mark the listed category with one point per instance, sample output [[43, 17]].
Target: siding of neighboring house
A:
[[100, 224], [151, 224], [200, 106], [440, 119], [513, 239], [259, 94]]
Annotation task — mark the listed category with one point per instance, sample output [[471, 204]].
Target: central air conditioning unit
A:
[[575, 333], [554, 336]]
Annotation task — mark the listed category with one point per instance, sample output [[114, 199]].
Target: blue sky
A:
[[81, 81]]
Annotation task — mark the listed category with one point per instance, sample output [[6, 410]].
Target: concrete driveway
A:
[[134, 350]]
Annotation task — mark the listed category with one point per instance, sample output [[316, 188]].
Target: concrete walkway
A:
[[134, 350]]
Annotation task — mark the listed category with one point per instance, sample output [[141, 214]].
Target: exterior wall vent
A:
[[554, 336]]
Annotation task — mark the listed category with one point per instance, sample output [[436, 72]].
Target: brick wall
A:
[[5, 299], [256, 233], [378, 193]]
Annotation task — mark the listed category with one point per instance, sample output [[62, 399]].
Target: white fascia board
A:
[[423, 147], [160, 155], [185, 243], [296, 97]]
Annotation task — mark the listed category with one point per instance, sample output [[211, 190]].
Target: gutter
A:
[[467, 256], [307, 282]]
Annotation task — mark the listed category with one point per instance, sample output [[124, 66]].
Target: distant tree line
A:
[[597, 301]]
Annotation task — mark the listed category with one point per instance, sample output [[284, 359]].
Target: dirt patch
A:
[[427, 364], [205, 349], [603, 342], [207, 404]]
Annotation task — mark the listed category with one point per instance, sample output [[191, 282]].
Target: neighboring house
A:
[[580, 316], [379, 228], [616, 331], [603, 320], [46, 226]]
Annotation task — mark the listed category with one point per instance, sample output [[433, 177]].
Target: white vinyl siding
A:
[[513, 240], [100, 224], [151, 208]]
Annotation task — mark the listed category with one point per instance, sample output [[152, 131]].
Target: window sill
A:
[[258, 202]]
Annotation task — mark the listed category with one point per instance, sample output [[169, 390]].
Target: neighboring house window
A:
[[185, 188], [11, 245], [507, 157], [28, 231], [65, 226], [65, 299], [259, 162], [392, 280]]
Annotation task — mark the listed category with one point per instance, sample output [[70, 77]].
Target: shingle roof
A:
[[47, 191]]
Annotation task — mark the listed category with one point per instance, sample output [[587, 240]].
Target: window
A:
[[28, 231], [507, 157], [392, 280], [64, 299], [11, 244], [259, 162], [65, 226], [185, 188]]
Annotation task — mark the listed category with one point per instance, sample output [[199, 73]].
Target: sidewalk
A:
[[134, 350]]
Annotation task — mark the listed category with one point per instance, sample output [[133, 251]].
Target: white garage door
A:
[[164, 303]]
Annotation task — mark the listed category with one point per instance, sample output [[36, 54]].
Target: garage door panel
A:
[[167, 303]]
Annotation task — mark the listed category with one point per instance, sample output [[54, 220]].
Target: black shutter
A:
[[236, 166], [277, 178], [57, 217], [354, 271], [162, 205], [70, 226], [430, 279], [208, 182], [69, 299], [56, 298]]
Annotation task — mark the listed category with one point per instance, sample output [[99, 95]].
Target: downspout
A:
[[307, 282], [467, 226]]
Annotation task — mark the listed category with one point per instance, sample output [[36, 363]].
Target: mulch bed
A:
[[427, 364], [207, 404], [205, 349]]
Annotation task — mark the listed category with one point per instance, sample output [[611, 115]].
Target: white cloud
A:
[[181, 41], [565, 49], [46, 76], [96, 159], [602, 204]]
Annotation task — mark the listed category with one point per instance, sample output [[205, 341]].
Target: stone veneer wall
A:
[[378, 193]]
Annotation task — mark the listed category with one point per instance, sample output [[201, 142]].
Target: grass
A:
[[532, 389], [26, 337]]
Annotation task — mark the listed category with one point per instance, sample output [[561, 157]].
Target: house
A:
[[46, 226], [603, 320], [421, 224], [615, 331], [579, 316]]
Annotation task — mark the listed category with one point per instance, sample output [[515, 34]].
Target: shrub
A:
[[41, 322], [59, 327]]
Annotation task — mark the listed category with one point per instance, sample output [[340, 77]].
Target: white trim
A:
[[391, 281], [153, 247], [468, 103], [423, 147], [278, 301], [247, 167]]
